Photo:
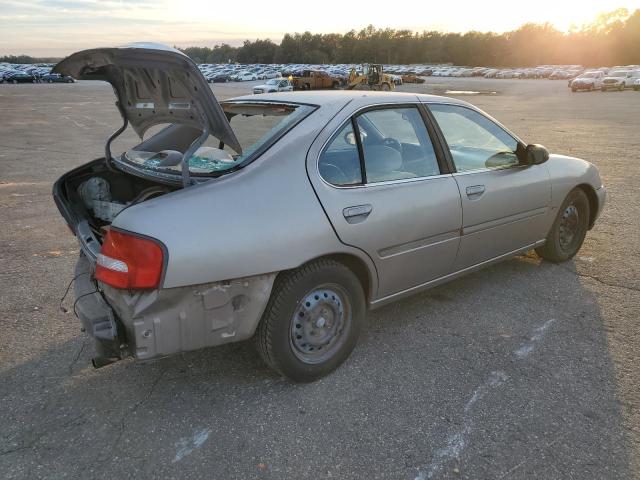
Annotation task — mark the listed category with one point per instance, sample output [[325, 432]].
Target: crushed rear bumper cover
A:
[[155, 323], [97, 317]]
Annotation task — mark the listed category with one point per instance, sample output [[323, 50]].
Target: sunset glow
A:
[[58, 27]]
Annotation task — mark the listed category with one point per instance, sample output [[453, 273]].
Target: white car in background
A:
[[615, 80], [591, 80], [246, 76], [274, 85], [271, 74], [633, 79]]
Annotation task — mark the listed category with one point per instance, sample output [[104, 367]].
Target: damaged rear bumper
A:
[[156, 323], [98, 319]]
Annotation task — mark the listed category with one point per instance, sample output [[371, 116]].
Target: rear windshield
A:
[[257, 126]]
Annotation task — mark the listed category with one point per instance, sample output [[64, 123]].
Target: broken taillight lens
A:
[[128, 261]]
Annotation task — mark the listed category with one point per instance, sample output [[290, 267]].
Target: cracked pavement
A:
[[435, 387]]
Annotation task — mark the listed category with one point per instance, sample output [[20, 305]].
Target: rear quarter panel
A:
[[261, 219]]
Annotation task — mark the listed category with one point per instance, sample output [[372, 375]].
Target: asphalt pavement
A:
[[523, 370]]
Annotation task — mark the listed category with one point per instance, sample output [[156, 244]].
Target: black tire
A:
[[284, 326], [568, 230]]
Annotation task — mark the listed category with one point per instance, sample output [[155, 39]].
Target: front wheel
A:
[[312, 321], [568, 230]]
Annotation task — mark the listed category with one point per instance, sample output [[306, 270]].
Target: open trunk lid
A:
[[155, 84]]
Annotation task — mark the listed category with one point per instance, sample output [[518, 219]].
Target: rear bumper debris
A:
[[156, 323]]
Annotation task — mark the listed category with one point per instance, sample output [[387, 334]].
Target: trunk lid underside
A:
[[154, 85]]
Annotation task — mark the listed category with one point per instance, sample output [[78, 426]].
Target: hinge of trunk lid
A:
[[186, 178]]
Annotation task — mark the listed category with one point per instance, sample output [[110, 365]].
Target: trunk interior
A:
[[90, 196]]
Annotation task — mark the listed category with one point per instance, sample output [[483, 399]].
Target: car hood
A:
[[155, 84]]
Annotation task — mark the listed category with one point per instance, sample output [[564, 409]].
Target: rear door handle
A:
[[357, 213], [475, 191]]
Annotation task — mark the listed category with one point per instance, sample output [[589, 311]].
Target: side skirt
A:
[[451, 276]]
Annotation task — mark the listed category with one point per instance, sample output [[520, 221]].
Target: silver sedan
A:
[[285, 217]]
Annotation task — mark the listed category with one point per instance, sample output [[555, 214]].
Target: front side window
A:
[[395, 145], [475, 142]]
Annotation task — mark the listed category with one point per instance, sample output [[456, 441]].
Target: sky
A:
[[60, 27]]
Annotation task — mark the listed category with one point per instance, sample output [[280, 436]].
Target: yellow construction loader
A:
[[371, 77]]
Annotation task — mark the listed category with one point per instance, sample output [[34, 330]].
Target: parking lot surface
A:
[[523, 370]]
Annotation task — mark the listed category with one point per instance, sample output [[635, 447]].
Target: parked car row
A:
[[579, 78], [617, 78], [28, 73]]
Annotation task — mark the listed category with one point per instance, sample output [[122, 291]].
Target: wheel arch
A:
[[366, 274], [593, 202]]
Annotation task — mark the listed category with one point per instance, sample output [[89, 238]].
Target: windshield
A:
[[272, 82], [257, 125]]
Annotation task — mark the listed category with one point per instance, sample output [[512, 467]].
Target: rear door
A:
[[504, 204], [386, 191]]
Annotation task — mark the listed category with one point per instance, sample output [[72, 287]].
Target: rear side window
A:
[[395, 145], [340, 161]]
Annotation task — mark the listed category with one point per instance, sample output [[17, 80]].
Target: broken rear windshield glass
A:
[[257, 126]]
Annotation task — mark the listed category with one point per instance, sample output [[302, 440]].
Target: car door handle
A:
[[475, 191], [357, 213]]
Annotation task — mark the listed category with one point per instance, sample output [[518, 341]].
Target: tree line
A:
[[613, 38]]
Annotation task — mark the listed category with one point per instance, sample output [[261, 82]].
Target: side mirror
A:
[[532, 154]]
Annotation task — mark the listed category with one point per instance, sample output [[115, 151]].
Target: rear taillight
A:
[[128, 261]]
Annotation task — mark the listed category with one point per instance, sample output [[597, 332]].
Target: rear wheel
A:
[[568, 230], [312, 321]]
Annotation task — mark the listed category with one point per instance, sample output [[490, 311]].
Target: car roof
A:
[[333, 97]]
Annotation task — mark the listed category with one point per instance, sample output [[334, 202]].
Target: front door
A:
[[504, 203], [382, 187]]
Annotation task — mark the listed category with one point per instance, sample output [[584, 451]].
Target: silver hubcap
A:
[[569, 225], [320, 324]]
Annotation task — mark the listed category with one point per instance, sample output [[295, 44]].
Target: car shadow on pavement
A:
[[504, 373]]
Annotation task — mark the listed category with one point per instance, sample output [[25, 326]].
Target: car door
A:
[[504, 204], [386, 190]]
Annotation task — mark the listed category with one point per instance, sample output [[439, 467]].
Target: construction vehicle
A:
[[372, 77], [314, 80]]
